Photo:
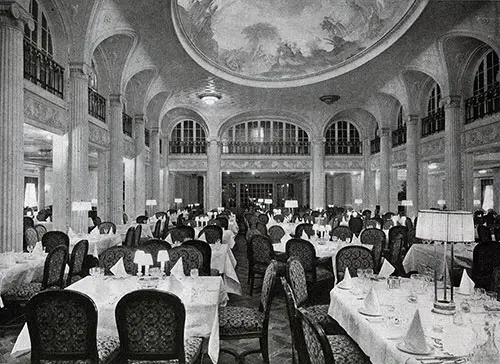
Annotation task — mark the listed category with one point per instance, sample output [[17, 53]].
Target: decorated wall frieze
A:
[[481, 136], [98, 135], [296, 164], [188, 164], [375, 162], [128, 148], [398, 156], [41, 112], [355, 163], [431, 148]]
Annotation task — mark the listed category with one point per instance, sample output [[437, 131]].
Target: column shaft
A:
[[412, 164], [41, 187], [453, 166], [60, 207], [468, 181], [385, 175], [140, 165], [155, 163], [213, 184], [103, 189], [366, 174], [116, 158], [318, 175]]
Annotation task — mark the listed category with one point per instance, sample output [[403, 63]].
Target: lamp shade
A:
[[441, 202], [260, 200], [407, 203], [358, 201], [151, 203], [449, 226], [81, 206], [139, 257], [268, 201], [291, 203], [147, 259], [163, 256], [178, 200]]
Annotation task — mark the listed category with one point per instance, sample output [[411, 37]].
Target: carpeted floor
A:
[[279, 331]]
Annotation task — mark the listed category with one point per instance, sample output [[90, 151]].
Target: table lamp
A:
[[291, 204], [177, 201], [138, 259], [446, 227], [162, 258], [150, 203], [81, 206]]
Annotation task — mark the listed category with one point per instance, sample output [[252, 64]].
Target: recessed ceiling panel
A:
[[283, 43]]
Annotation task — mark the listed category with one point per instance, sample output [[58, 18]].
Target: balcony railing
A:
[[42, 70], [343, 147], [399, 136], [97, 105], [188, 147], [272, 148], [433, 123], [375, 145], [146, 137], [127, 124], [482, 104]]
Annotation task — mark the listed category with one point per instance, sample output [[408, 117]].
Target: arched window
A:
[[401, 123], [342, 137], [40, 36], [399, 135], [265, 137], [486, 88], [188, 137], [93, 82], [434, 121]]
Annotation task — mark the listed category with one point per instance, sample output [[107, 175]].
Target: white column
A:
[[453, 122], [41, 187], [412, 140], [140, 167], [167, 179], [155, 163], [303, 189], [116, 158], [468, 181], [129, 177], [365, 180], [318, 174], [12, 20], [423, 185], [213, 184], [385, 175], [60, 186], [103, 190]]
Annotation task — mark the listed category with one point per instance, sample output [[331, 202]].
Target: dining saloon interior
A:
[[229, 181]]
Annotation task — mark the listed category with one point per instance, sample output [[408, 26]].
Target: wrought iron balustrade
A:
[[147, 137], [187, 147], [482, 104], [42, 70], [343, 148], [97, 105], [127, 124], [433, 123], [375, 145], [399, 136], [271, 148]]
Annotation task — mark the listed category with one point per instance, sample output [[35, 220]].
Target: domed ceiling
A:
[[284, 43]]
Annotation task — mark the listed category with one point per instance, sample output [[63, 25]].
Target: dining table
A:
[[97, 242], [201, 297], [146, 232], [224, 261], [227, 236], [449, 338]]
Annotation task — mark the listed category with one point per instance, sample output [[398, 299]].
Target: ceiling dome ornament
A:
[[287, 43]]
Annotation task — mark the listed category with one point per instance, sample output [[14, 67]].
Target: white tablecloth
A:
[[96, 242], [227, 236], [145, 232], [223, 259], [421, 257], [201, 297], [378, 337]]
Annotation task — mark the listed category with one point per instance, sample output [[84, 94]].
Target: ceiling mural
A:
[[288, 40]]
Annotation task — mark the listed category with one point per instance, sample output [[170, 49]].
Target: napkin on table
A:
[[387, 269], [415, 337], [38, 249], [371, 303], [202, 237], [347, 281], [355, 240], [168, 239], [118, 269], [94, 231], [304, 235], [71, 233], [285, 238], [466, 284], [96, 254], [177, 270], [110, 232]]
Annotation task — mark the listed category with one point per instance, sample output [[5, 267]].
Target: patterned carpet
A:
[[279, 331]]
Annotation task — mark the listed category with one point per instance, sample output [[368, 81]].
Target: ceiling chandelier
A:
[[210, 98]]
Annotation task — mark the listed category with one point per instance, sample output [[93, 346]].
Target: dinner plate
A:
[[403, 347], [342, 287], [362, 311]]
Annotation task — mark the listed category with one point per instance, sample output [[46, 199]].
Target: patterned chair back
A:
[[110, 256], [141, 219], [396, 232], [136, 239], [356, 225], [52, 239], [157, 230], [153, 246], [305, 226], [484, 233], [30, 237], [372, 223], [377, 238], [53, 270], [107, 226], [206, 251], [151, 311], [260, 250], [315, 341], [268, 284], [179, 234], [263, 218], [276, 232], [28, 222], [212, 233], [353, 257], [160, 214], [251, 219], [78, 255], [342, 232], [62, 325], [296, 277], [261, 227], [129, 237], [192, 258], [279, 218], [305, 253], [485, 258], [40, 230]]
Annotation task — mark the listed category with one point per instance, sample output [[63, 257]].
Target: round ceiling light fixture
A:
[[329, 99], [210, 98]]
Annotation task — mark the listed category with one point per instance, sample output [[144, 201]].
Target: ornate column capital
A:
[[12, 14], [116, 99], [318, 141], [140, 118], [79, 70], [155, 130], [384, 132], [451, 101], [412, 119]]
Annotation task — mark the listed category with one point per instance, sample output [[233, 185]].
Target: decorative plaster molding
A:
[[399, 156], [452, 101], [384, 132], [486, 134], [375, 162], [128, 148], [14, 15], [44, 112], [98, 135], [298, 164], [431, 148], [344, 163], [191, 164]]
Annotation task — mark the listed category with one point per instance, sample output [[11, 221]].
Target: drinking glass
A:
[[194, 273], [30, 248]]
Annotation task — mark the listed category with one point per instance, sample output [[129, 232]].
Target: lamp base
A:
[[444, 307]]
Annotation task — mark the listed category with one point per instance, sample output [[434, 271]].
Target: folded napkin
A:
[[94, 231], [466, 284], [285, 238], [71, 232], [371, 303], [355, 240], [38, 249], [387, 269], [168, 239], [177, 270], [95, 253], [202, 237], [415, 337], [118, 269], [347, 281], [402, 220], [304, 235], [110, 232]]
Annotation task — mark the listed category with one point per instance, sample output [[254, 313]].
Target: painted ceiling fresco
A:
[[285, 39]]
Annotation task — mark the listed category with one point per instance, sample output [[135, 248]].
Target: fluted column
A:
[[61, 211], [79, 143], [453, 168], [303, 189], [366, 174], [468, 181], [103, 189], [116, 158], [167, 179], [385, 175], [41, 187], [412, 163], [155, 163], [318, 174], [140, 165], [213, 184], [12, 20], [423, 185]]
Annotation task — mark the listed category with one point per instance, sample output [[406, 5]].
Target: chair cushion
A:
[[192, 350], [320, 314], [234, 320], [323, 274], [346, 351], [23, 292]]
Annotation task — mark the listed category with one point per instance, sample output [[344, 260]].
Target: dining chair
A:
[[251, 220], [136, 238], [353, 257], [181, 233], [53, 278], [263, 218], [107, 226], [377, 238], [326, 349], [343, 233], [260, 253], [316, 274], [483, 233], [52, 239], [166, 227], [495, 281], [261, 227], [28, 222], [129, 236], [279, 218], [76, 267], [30, 238], [157, 230], [206, 251], [151, 328], [153, 246], [63, 328], [220, 221], [372, 223], [125, 218], [141, 219], [212, 233], [398, 242], [305, 226], [109, 257], [276, 232], [241, 322], [485, 258], [192, 258], [40, 230], [356, 225]]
